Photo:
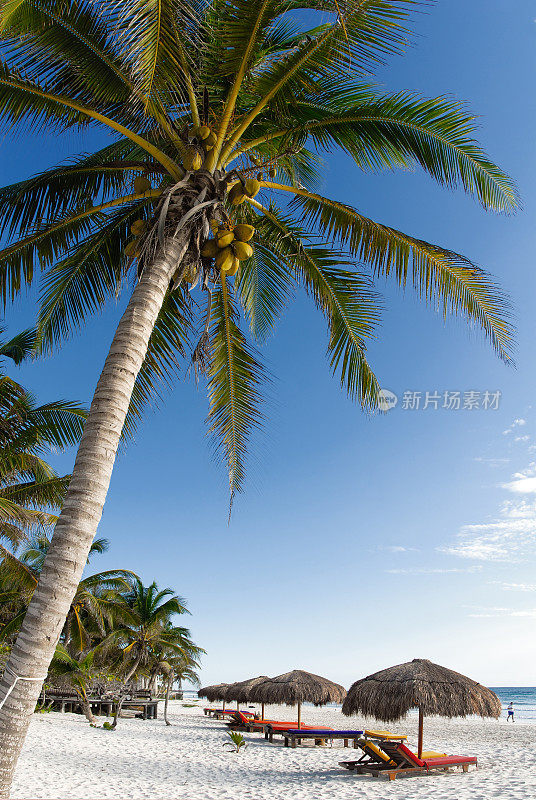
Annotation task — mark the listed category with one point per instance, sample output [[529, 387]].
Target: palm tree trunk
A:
[[166, 701], [121, 698], [86, 708], [82, 509]]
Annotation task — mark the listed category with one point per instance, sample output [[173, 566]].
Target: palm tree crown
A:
[[221, 112]]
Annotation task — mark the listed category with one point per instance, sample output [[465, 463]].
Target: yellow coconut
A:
[[252, 187], [211, 140], [244, 232], [209, 249], [203, 132], [141, 184], [242, 250], [138, 227], [225, 239], [191, 159], [272, 172], [225, 259], [237, 195], [230, 271]]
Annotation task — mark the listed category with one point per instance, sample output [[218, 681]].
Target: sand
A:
[[64, 757]]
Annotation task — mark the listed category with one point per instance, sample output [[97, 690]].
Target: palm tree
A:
[[78, 672], [96, 606], [146, 631], [29, 487], [179, 668], [211, 103]]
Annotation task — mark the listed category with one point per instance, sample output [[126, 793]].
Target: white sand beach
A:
[[66, 758]]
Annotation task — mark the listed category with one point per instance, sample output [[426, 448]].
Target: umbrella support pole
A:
[[421, 726], [299, 716], [223, 709], [262, 710]]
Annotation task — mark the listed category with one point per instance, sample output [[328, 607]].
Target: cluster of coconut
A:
[[202, 135], [244, 189], [229, 247]]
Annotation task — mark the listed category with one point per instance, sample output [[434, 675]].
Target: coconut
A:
[[131, 249], [138, 227], [272, 172], [244, 232], [225, 258], [252, 187], [225, 238], [209, 249], [203, 132], [242, 250], [141, 184], [237, 195], [192, 159], [232, 269], [211, 139]]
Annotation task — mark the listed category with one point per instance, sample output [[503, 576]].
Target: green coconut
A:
[[244, 232], [252, 187], [225, 238], [242, 250], [225, 259]]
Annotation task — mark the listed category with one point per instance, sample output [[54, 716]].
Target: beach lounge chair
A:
[[272, 728], [294, 736], [392, 757]]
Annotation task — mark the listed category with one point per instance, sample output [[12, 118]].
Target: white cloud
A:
[[522, 439], [432, 570], [398, 548], [509, 537], [517, 423], [521, 485], [493, 462], [518, 587], [503, 612]]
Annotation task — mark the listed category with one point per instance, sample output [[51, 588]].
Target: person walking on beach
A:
[[510, 710]]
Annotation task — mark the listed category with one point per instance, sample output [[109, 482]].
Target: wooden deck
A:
[[102, 706]]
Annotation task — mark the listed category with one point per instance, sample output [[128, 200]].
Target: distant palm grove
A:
[[118, 633], [204, 213]]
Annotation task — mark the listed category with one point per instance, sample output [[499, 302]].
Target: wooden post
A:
[[421, 725], [223, 709], [299, 716], [262, 710]]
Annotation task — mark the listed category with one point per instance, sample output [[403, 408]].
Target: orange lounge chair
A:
[[385, 756]]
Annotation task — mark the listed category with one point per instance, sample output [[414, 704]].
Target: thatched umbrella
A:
[[214, 693], [297, 687], [389, 694], [241, 691]]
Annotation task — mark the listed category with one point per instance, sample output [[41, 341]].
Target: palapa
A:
[[389, 694], [241, 691], [297, 687], [214, 693]]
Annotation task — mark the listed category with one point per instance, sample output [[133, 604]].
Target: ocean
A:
[[523, 698]]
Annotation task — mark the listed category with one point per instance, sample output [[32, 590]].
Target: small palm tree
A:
[[78, 673], [147, 630], [178, 669], [221, 112]]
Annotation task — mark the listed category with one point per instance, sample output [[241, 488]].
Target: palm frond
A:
[[438, 275], [235, 376]]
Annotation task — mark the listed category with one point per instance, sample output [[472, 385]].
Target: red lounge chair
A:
[[403, 760]]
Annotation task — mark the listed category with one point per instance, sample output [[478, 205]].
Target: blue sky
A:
[[361, 541]]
